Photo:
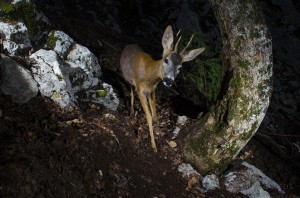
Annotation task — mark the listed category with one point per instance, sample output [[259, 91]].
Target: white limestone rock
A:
[[76, 74], [256, 191], [264, 179], [85, 59], [250, 181], [15, 38], [211, 182], [187, 171], [47, 72], [104, 96], [60, 42], [17, 81]]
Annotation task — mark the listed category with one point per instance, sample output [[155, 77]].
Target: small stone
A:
[[175, 132], [210, 182], [181, 120], [188, 171], [110, 116], [172, 144]]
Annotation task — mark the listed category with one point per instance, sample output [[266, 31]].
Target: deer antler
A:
[[176, 45], [182, 52]]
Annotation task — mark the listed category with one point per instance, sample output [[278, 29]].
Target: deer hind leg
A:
[[145, 106], [152, 102], [131, 102]]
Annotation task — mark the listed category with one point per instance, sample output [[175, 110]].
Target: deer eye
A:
[[166, 61]]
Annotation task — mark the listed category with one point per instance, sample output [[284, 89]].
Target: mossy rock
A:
[[25, 12]]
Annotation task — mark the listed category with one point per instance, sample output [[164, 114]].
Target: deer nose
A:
[[168, 82]]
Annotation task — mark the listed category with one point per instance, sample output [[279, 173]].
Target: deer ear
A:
[[168, 39], [190, 55]]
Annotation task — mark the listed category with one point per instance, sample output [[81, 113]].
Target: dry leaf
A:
[[193, 181], [172, 144]]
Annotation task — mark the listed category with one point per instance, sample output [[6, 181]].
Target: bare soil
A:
[[95, 152]]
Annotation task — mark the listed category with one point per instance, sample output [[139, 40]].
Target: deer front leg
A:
[[152, 102], [145, 106], [131, 101]]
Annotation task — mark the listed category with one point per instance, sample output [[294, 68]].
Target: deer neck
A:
[[159, 66]]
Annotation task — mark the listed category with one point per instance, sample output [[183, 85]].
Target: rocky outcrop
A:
[[64, 70], [69, 72]]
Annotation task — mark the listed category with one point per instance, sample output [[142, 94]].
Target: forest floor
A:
[[95, 152]]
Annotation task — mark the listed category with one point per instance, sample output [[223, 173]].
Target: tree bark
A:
[[216, 139]]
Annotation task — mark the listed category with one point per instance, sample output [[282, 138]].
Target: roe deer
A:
[[144, 73]]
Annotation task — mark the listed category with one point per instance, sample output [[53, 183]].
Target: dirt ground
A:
[[95, 152], [92, 152]]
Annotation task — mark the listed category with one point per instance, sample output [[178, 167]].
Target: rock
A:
[[237, 181], [248, 180], [210, 182], [256, 191], [36, 22], [265, 180], [175, 132], [105, 96], [47, 72], [181, 120], [17, 81], [74, 73], [110, 116], [59, 42], [88, 72], [15, 38], [188, 171]]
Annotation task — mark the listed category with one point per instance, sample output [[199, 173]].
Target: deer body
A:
[[140, 69], [144, 73]]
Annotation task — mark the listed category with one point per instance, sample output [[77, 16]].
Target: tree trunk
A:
[[216, 139]]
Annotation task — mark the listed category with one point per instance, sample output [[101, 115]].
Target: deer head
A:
[[172, 59]]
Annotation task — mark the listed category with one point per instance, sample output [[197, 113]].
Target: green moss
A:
[[60, 78], [7, 8], [102, 93], [234, 148], [243, 63], [238, 42], [254, 34], [199, 144], [51, 41], [56, 95]]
